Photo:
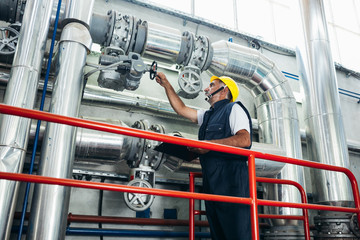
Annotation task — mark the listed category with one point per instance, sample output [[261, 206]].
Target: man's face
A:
[[215, 85]]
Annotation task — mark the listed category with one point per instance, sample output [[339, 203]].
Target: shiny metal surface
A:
[[21, 92], [325, 131], [76, 32], [163, 43], [48, 214], [78, 11], [101, 146], [94, 146], [276, 111]]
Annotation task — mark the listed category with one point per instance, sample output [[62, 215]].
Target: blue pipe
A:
[[26, 197], [350, 95], [131, 233], [125, 233], [296, 77], [344, 90]]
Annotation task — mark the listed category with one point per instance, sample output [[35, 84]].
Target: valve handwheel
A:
[[153, 70], [138, 201], [8, 40], [190, 81]]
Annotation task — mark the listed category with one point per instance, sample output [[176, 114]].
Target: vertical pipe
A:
[[48, 216], [325, 133], [21, 92], [27, 190], [253, 196]]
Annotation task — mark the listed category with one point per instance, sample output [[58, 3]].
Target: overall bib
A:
[[225, 174]]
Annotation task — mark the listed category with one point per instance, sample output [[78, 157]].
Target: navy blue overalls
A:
[[225, 174]]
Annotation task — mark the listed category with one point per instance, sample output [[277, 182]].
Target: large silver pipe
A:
[[21, 92], [276, 110], [95, 146], [106, 148], [325, 131], [48, 214], [162, 43], [96, 96]]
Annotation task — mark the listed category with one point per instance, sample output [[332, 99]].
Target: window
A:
[[344, 32], [183, 5], [221, 12], [279, 21]]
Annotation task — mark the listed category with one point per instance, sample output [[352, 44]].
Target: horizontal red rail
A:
[[120, 188], [253, 201], [77, 122]]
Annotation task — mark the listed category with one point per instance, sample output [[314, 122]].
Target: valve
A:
[[138, 201], [8, 40], [190, 82], [153, 70], [143, 176], [127, 73]]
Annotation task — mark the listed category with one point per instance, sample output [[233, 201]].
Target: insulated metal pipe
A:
[[48, 214], [107, 148], [162, 43], [276, 110], [21, 91], [325, 133]]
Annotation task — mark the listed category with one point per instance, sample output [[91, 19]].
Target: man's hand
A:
[[162, 80], [198, 150]]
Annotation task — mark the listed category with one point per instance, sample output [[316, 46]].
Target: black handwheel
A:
[[153, 70]]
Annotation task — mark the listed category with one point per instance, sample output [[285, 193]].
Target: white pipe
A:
[[325, 131], [48, 214], [21, 92]]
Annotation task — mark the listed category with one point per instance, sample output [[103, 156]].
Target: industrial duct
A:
[[48, 215], [275, 107], [21, 92], [322, 109], [274, 102]]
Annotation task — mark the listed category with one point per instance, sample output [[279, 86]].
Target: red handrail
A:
[[305, 216], [252, 201]]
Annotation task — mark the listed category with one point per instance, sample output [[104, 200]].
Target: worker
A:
[[228, 123]]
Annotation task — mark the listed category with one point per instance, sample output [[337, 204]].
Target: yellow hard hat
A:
[[230, 83]]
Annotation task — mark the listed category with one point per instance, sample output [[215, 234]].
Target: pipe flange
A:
[[155, 157], [138, 201], [186, 48], [140, 145], [334, 225], [76, 32], [8, 40], [123, 31], [141, 37], [354, 225], [111, 24], [200, 55]]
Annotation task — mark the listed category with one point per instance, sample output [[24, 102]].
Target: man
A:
[[229, 123]]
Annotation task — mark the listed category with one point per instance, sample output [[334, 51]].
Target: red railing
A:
[[252, 201], [304, 217]]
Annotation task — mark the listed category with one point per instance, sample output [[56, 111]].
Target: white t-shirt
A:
[[238, 119]]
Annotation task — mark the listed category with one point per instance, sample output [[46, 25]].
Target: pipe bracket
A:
[[76, 32]]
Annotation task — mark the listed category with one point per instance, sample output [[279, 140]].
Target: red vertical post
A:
[[253, 196], [305, 213], [191, 207]]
